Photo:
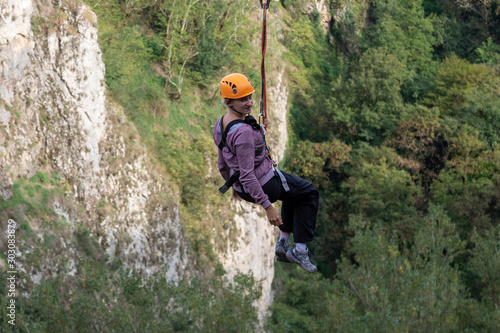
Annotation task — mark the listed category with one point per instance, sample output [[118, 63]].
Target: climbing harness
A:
[[250, 120]]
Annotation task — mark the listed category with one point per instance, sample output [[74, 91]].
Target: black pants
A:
[[299, 207]]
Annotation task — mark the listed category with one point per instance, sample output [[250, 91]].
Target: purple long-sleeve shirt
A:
[[242, 141]]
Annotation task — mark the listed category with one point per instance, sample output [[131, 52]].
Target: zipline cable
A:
[[263, 109], [263, 100]]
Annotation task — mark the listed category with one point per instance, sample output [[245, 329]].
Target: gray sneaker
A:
[[281, 249], [301, 258]]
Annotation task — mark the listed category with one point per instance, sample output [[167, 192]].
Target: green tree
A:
[[394, 290], [317, 161], [190, 27], [368, 103], [98, 299], [380, 191], [300, 305], [489, 53], [485, 10], [403, 29], [420, 144], [485, 263], [468, 186], [210, 57], [312, 66], [468, 93], [482, 312]]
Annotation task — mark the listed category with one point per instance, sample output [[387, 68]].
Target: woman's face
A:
[[243, 105]]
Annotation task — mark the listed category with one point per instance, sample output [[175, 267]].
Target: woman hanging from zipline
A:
[[245, 164]]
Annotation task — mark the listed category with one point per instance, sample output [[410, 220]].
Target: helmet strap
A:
[[233, 109]]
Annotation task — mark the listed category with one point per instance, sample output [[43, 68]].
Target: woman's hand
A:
[[274, 216]]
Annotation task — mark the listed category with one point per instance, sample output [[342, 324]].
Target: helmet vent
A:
[[232, 85]]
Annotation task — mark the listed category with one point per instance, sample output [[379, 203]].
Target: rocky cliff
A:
[[57, 127]]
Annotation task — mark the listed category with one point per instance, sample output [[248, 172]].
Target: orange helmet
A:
[[235, 86]]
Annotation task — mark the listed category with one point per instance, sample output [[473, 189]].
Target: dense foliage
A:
[[408, 237], [97, 299]]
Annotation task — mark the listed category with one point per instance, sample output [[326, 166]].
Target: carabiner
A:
[[267, 4]]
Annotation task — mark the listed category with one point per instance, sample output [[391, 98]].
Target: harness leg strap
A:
[[284, 183]]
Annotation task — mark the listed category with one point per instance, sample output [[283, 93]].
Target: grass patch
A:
[[31, 199]]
